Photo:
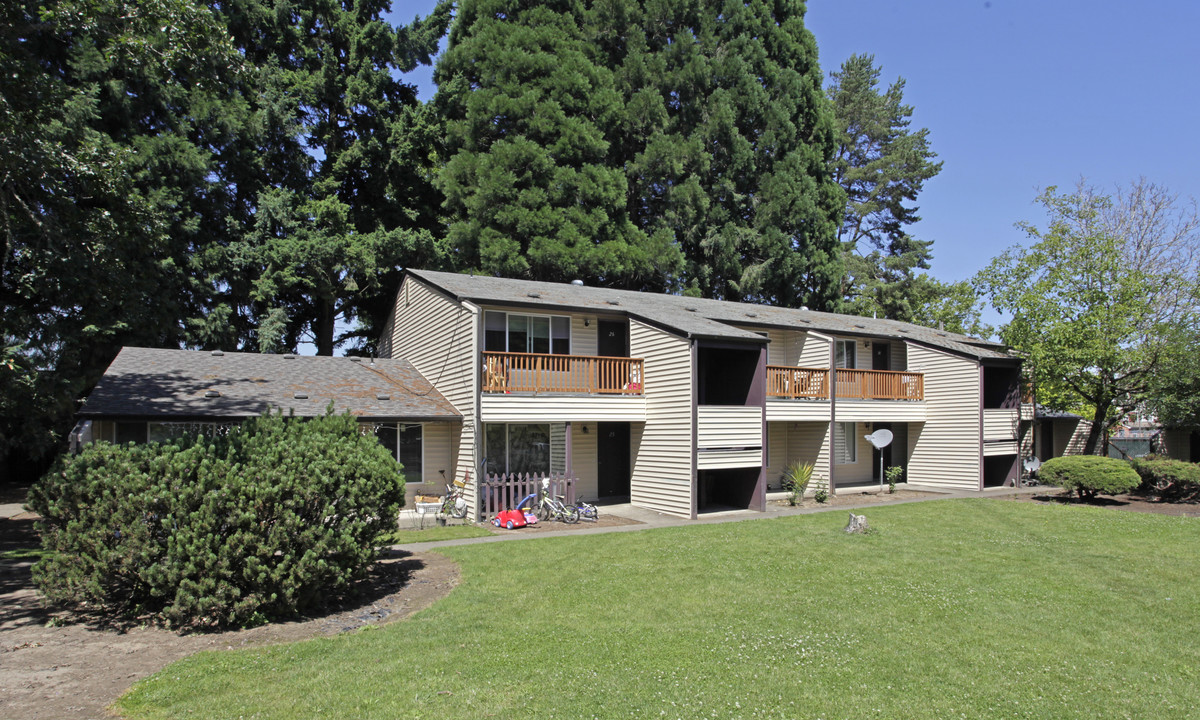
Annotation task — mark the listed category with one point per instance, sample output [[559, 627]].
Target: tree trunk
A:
[[324, 326], [1095, 444]]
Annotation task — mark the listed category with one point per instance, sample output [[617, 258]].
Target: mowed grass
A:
[[968, 608]]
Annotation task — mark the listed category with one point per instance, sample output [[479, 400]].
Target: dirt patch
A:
[[856, 498], [78, 669], [1129, 502]]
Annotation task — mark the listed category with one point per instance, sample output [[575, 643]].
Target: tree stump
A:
[[857, 524]]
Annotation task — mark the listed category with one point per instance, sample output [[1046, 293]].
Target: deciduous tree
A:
[[1100, 297]]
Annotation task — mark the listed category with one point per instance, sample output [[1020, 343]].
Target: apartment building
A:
[[685, 405]]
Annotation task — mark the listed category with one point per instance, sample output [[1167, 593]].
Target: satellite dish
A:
[[1032, 463], [880, 438]]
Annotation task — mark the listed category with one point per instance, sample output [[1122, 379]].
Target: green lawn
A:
[[970, 608]]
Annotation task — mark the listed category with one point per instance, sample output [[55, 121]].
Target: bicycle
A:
[[554, 507], [455, 503], [587, 510]]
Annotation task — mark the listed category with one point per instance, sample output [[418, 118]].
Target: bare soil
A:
[[58, 665], [855, 497], [1128, 502]]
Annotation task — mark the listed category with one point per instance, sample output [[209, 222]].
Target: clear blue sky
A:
[[1018, 95]]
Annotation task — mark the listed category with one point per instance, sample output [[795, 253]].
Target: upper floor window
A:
[[843, 354], [513, 332]]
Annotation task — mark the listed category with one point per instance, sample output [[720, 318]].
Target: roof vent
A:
[[289, 356], [212, 393], [691, 309], [533, 295], [356, 359], [300, 395], [903, 331], [943, 335], [383, 396], [217, 353], [751, 314], [860, 327], [804, 307], [577, 283], [613, 302]]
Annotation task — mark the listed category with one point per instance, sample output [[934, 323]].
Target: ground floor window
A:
[[517, 448], [407, 445], [166, 431], [845, 446]]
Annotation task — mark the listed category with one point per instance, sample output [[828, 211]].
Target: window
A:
[[517, 448], [406, 443], [845, 443], [166, 431], [129, 432], [843, 356], [510, 332]]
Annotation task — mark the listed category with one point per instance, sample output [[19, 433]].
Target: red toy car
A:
[[509, 519]]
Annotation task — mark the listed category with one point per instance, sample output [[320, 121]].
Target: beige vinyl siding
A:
[[583, 339], [583, 456], [437, 454], [500, 407], [785, 410], [809, 442], [558, 447], [438, 335], [899, 358], [945, 448], [1002, 447], [1000, 424], [662, 447], [881, 410], [728, 427], [1073, 440], [858, 471], [812, 350], [719, 459], [777, 453]]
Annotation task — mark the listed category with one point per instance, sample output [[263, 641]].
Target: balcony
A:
[[506, 372], [813, 384]]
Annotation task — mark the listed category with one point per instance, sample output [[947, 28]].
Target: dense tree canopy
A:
[[642, 145]]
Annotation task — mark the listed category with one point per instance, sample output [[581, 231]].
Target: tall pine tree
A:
[[882, 164]]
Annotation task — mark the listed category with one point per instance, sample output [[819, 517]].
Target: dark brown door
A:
[[614, 338], [880, 356], [612, 461]]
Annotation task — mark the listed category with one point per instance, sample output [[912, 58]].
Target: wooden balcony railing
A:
[[813, 383], [796, 383], [880, 385], [505, 372]]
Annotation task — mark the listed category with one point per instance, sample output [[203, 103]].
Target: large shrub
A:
[[1171, 479], [1089, 475], [268, 520]]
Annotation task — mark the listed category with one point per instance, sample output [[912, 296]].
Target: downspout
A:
[[695, 432], [981, 469], [477, 414]]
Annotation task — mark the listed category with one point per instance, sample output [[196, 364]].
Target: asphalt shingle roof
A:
[[697, 317], [155, 383]]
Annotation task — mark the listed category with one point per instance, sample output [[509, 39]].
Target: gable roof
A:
[[162, 384], [696, 317]]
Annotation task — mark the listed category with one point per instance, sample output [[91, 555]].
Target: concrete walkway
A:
[[648, 519]]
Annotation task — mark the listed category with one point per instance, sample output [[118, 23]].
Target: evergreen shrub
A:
[[1089, 475], [1170, 479], [269, 520]]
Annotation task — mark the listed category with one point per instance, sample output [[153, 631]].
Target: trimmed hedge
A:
[[1089, 475], [269, 520], [1170, 479]]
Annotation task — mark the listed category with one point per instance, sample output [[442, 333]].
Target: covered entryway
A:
[[612, 460]]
